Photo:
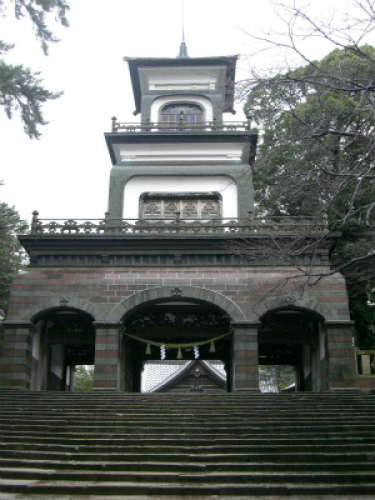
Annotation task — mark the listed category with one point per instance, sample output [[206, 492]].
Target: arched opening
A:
[[63, 338], [292, 338], [173, 331]]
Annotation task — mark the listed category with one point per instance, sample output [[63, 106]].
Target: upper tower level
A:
[[169, 90]]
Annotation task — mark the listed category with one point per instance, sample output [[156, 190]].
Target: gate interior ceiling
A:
[[179, 323], [73, 329]]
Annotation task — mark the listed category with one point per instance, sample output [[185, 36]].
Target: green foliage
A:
[[84, 378], [277, 376], [317, 156], [11, 254], [363, 315], [20, 88]]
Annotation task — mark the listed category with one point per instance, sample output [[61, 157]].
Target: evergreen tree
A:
[[317, 156], [12, 256], [20, 88]]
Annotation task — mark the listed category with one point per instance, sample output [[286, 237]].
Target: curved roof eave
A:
[[229, 61]]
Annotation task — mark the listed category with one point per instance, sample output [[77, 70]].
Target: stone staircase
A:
[[233, 445]]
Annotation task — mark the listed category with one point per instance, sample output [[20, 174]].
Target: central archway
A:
[[187, 330]]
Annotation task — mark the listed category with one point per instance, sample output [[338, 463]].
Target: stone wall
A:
[[244, 293]]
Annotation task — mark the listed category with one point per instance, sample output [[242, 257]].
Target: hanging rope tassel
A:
[[179, 354], [212, 347], [148, 350]]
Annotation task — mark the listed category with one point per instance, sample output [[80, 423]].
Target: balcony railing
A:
[[180, 126], [245, 226]]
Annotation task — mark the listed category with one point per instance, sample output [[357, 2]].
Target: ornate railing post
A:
[[34, 222], [250, 218], [113, 123], [248, 126], [107, 222], [178, 221]]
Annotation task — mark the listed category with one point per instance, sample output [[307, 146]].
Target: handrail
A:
[[177, 225], [180, 126]]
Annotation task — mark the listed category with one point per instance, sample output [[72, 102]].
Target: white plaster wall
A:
[[180, 184], [177, 99], [180, 153]]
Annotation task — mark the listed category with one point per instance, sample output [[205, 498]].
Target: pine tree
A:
[[21, 88]]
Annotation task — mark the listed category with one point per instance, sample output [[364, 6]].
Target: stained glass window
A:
[[173, 113]]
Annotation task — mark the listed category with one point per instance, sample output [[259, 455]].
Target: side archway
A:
[[63, 337], [292, 339], [55, 302]]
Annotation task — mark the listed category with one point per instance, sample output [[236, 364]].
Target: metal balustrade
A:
[[180, 126], [177, 225]]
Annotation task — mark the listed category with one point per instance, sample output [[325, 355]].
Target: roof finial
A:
[[183, 48]]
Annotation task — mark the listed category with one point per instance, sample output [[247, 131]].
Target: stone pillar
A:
[[15, 362], [341, 357], [245, 357], [107, 355]]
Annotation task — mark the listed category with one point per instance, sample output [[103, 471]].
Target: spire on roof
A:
[[183, 47], [183, 51]]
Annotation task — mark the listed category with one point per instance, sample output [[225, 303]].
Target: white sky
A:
[[65, 174]]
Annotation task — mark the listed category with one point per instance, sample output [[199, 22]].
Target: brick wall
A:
[[252, 290]]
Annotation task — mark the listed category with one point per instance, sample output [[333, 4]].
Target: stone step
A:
[[68, 429], [108, 489], [124, 416], [195, 478], [107, 445], [294, 434], [164, 395], [78, 404], [166, 447], [177, 440], [201, 457], [147, 466], [331, 416]]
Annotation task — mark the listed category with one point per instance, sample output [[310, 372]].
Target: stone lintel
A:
[[107, 324], [338, 323], [15, 323], [245, 324]]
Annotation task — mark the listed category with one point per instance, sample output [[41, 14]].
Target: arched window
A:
[[173, 113]]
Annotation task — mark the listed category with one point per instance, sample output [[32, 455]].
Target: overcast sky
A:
[[65, 174]]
